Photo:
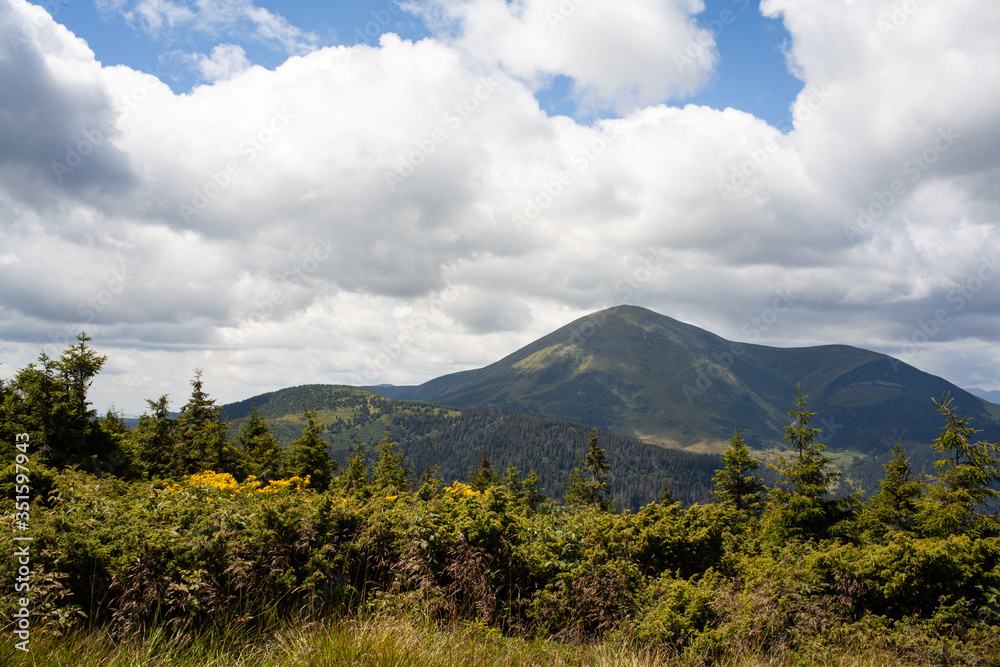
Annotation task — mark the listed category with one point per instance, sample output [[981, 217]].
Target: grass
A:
[[375, 642]]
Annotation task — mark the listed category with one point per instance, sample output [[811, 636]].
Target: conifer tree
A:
[[592, 488], [967, 477], [526, 490], [264, 455], [894, 506], [391, 471], [309, 456], [78, 366], [49, 401], [799, 506], [483, 477], [666, 494], [734, 484], [355, 477], [430, 483], [155, 441], [202, 430]]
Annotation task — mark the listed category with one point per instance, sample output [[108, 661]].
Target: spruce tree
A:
[[391, 471], [666, 493], [590, 487], [355, 477], [430, 483], [155, 441], [78, 366], [264, 455], [483, 476], [967, 477], [734, 484], [49, 402], [309, 456], [799, 506], [202, 429], [894, 506]]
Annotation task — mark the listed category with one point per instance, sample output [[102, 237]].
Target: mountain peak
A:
[[636, 372]]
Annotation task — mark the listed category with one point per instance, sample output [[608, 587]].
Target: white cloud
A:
[[619, 54], [226, 61], [397, 212]]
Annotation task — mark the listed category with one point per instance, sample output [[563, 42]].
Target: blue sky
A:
[[751, 74], [355, 193]]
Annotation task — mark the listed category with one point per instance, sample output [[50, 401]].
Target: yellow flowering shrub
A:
[[213, 481]]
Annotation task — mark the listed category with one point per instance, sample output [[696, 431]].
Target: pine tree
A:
[[309, 456], [391, 471], [894, 506], [202, 430], [592, 488], [264, 455], [355, 477], [800, 508], [734, 485], [155, 441], [118, 457], [483, 477], [430, 483], [49, 402], [78, 366], [967, 477], [666, 494], [524, 491]]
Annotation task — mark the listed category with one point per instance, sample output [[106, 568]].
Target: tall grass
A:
[[372, 642]]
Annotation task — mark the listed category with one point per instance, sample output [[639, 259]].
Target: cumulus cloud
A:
[[57, 130], [391, 213], [226, 61], [618, 54]]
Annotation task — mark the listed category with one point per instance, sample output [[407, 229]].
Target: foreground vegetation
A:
[[271, 559], [376, 642]]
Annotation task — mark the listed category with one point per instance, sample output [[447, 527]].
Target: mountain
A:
[[992, 396], [454, 439], [641, 374]]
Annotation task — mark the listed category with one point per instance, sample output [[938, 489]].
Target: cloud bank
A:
[[391, 213]]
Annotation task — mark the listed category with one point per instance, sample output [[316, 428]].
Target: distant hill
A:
[[993, 396], [453, 439], [637, 373]]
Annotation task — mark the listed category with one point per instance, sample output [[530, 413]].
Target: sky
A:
[[385, 192]]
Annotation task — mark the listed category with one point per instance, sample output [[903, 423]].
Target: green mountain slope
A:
[[453, 439], [637, 373]]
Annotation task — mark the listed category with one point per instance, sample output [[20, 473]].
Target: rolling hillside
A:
[[453, 439], [640, 374]]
